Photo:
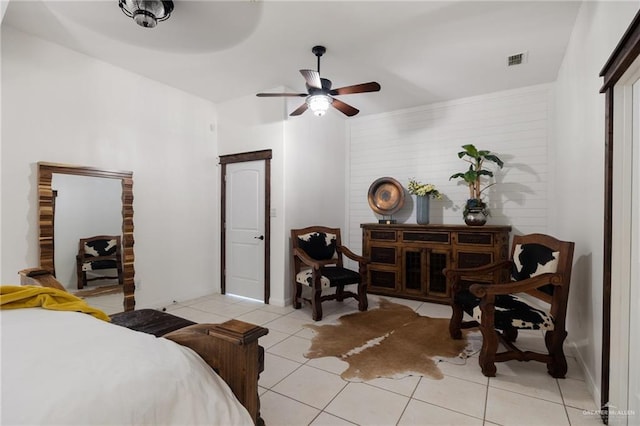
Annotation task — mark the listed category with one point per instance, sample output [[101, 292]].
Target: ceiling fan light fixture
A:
[[319, 96], [147, 13], [319, 104]]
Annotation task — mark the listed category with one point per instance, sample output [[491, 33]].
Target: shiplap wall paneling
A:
[[423, 143]]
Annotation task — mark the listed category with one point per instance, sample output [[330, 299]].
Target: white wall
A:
[[579, 185], [423, 143], [315, 150], [307, 169], [3, 8], [316, 182], [64, 107], [250, 124]]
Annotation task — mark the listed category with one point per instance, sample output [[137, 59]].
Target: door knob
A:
[[261, 237]]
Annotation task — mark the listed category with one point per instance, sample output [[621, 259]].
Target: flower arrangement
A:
[[423, 189]]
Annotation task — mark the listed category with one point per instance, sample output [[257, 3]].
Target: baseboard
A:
[[592, 384], [279, 302]]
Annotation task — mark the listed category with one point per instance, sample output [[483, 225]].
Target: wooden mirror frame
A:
[[625, 53], [46, 218]]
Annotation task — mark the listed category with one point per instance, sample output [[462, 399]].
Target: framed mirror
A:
[[47, 173]]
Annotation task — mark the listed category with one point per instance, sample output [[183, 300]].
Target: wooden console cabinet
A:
[[407, 260]]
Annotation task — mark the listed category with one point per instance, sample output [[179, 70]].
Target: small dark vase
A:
[[475, 213]]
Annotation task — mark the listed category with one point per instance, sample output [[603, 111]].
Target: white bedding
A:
[[71, 368]]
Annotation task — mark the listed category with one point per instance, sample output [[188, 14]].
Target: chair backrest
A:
[[100, 246], [536, 254], [318, 242]]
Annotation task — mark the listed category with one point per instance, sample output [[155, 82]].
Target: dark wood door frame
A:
[[265, 155], [623, 56]]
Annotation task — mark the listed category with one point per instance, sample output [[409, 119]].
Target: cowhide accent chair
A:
[[317, 262], [96, 254], [534, 298]]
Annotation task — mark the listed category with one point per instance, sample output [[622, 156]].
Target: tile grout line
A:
[[564, 404], [413, 392], [486, 403]]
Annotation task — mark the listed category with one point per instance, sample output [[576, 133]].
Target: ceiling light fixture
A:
[[319, 104], [147, 13]]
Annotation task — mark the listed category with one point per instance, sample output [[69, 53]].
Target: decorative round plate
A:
[[386, 196]]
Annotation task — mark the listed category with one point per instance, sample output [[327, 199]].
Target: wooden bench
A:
[[150, 321]]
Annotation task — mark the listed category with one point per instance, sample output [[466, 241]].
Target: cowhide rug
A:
[[391, 341]]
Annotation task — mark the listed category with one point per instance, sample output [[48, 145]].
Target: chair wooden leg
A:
[[489, 340], [363, 302], [340, 293], [511, 334], [316, 305], [488, 351], [455, 323], [554, 340], [297, 293]]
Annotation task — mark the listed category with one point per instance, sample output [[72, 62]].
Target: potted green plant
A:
[[475, 210]]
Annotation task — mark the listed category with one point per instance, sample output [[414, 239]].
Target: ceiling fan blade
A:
[[312, 77], [270, 95], [346, 109], [302, 108], [356, 88]]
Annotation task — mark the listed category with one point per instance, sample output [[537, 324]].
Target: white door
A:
[[245, 216], [625, 257], [634, 317]]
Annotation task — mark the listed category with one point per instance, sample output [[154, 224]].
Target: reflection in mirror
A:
[[77, 202], [85, 206]]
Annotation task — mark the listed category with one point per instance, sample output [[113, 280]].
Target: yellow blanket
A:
[[30, 296]]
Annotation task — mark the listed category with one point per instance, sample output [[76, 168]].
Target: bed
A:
[[65, 367]]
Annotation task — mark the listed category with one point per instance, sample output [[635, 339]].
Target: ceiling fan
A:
[[320, 94]]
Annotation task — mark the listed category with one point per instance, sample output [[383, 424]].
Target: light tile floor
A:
[[297, 391]]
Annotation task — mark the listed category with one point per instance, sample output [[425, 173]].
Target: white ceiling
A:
[[420, 52]]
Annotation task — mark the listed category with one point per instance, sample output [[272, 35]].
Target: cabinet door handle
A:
[[261, 237]]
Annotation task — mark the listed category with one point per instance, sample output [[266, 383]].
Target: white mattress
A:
[[71, 368]]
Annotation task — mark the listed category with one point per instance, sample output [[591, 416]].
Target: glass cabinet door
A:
[[422, 271], [437, 261], [413, 270]]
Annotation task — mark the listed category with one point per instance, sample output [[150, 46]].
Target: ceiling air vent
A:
[[517, 59]]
